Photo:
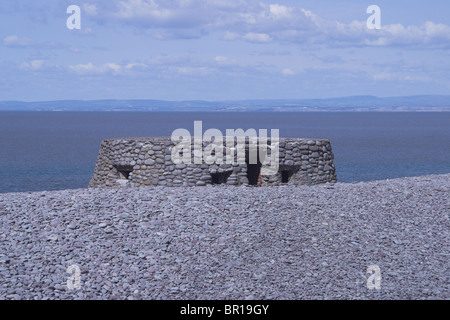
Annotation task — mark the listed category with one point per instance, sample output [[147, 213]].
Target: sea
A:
[[58, 150]]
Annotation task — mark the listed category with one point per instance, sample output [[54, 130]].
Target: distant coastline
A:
[[422, 103]]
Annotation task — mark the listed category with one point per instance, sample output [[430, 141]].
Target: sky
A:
[[222, 50]]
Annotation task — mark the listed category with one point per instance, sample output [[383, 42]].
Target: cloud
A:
[[15, 41], [161, 14], [231, 36], [86, 31], [111, 68], [280, 12], [168, 34], [37, 65], [167, 67], [257, 37], [429, 34], [90, 9], [260, 22], [221, 59], [192, 71], [205, 16], [288, 72], [387, 76]]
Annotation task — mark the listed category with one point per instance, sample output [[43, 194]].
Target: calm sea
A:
[[58, 150]]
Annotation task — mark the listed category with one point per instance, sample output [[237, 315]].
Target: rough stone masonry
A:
[[136, 162]]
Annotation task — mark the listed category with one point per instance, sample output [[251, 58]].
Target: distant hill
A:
[[354, 103]]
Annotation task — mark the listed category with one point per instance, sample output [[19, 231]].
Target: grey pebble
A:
[[224, 242]]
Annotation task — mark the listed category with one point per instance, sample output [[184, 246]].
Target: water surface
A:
[[58, 150]]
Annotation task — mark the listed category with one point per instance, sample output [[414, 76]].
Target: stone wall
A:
[[134, 162]]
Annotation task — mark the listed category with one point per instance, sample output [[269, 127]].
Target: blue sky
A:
[[222, 50]]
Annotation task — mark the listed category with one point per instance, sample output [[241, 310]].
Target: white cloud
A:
[[90, 68], [384, 76], [288, 72], [221, 59], [390, 76], [136, 65], [230, 36], [280, 12], [86, 31], [257, 37], [85, 68], [161, 14], [90, 9], [111, 67], [193, 71], [260, 22], [37, 65], [15, 41], [427, 34]]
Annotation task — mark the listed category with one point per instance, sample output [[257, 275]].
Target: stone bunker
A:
[[136, 162]]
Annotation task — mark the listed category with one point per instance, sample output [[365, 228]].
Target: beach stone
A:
[[289, 163], [144, 243]]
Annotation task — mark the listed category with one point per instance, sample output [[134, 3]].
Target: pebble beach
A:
[[225, 242]]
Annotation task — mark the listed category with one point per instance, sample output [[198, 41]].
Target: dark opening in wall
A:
[[287, 172], [124, 171], [220, 177], [253, 170]]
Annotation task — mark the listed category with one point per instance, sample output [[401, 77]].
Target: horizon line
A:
[[229, 100]]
